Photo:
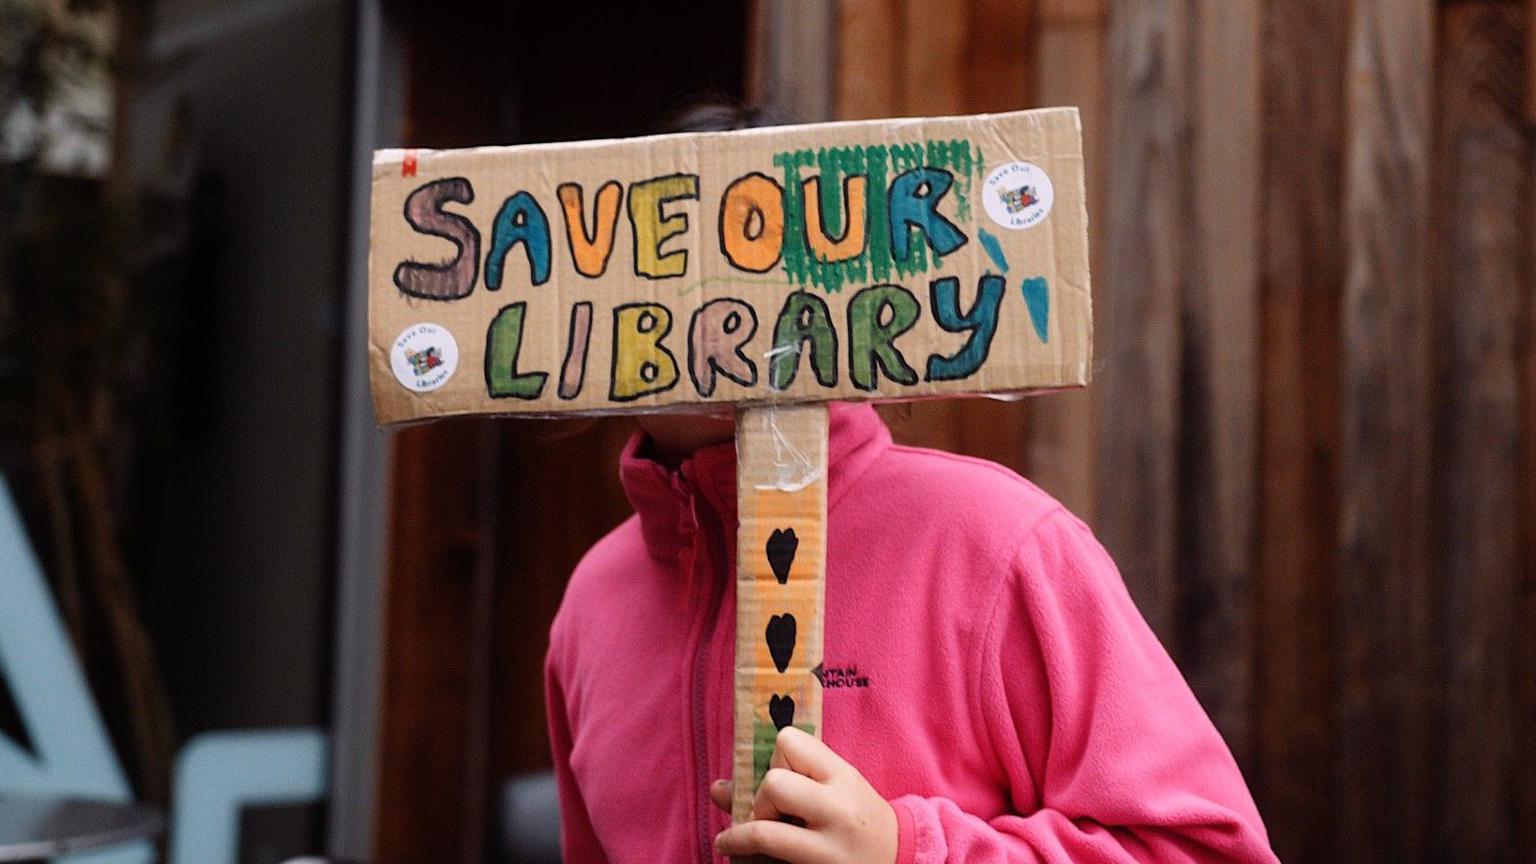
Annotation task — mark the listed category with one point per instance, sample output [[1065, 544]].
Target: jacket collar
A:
[[665, 499]]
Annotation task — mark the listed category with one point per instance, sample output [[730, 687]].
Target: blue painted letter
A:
[[981, 321], [521, 220], [914, 203]]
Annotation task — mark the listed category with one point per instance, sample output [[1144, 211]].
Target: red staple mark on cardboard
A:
[[408, 164]]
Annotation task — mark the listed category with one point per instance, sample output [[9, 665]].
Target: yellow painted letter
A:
[[651, 228], [641, 364]]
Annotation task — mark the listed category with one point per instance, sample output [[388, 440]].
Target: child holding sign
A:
[[991, 693]]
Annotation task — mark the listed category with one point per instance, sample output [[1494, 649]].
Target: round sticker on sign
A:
[[424, 357], [1018, 195]]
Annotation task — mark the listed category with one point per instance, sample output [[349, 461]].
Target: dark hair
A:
[[719, 116]]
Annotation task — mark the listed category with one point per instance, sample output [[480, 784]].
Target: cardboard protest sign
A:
[[767, 268], [868, 260]]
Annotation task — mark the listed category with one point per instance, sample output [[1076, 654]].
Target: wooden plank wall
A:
[[1482, 161], [1313, 434], [1301, 273]]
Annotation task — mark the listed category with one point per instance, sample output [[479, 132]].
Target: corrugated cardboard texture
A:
[[781, 548], [752, 266]]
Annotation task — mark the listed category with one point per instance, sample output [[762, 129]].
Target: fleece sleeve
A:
[[578, 842], [1107, 754]]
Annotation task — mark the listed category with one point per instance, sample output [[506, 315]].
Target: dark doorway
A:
[[489, 517]]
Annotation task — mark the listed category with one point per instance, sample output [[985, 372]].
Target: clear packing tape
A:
[[793, 468]]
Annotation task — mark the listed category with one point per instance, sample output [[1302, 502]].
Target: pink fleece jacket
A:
[[985, 669]]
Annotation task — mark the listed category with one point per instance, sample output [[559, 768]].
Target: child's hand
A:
[[844, 818]]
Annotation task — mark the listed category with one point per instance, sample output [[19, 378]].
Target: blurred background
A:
[[225, 596]]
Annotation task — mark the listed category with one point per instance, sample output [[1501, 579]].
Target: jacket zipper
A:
[[702, 654]]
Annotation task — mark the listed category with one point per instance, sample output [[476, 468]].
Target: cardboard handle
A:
[[781, 495]]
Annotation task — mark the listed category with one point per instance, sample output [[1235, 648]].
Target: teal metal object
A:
[[72, 755], [218, 773]]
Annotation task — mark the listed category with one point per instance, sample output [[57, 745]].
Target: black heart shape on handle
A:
[[781, 639], [782, 710], [782, 544]]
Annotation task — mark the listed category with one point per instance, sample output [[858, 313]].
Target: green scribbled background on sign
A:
[[879, 163]]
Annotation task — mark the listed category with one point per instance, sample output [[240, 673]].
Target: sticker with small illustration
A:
[[1018, 195], [424, 357]]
